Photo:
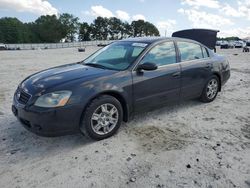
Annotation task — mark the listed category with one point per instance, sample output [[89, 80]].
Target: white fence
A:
[[57, 45]]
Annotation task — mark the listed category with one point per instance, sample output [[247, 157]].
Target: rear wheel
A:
[[102, 118], [210, 90]]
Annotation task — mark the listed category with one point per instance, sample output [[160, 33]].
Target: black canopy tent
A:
[[204, 36]]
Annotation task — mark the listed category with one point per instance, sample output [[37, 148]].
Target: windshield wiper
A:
[[95, 65]]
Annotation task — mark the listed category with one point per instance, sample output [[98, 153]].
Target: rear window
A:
[[189, 51]]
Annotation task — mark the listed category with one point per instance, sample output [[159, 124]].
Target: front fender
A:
[[118, 85]]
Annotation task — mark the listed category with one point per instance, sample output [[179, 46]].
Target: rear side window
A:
[[189, 51], [205, 52]]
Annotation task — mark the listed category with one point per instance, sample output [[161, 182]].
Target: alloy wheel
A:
[[104, 119], [212, 88]]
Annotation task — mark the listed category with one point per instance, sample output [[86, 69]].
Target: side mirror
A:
[[147, 66]]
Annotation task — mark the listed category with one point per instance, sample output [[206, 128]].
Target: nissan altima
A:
[[120, 80]]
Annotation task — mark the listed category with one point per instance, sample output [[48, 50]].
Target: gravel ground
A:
[[184, 145]]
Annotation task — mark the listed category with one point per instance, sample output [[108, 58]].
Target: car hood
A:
[[60, 75]]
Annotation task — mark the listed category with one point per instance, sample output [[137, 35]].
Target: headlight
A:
[[54, 99]]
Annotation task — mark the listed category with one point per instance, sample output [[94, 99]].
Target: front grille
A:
[[22, 97]]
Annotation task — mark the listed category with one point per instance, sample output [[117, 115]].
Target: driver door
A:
[[157, 87]]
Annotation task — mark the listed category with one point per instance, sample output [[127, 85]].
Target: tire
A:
[[102, 118], [210, 90]]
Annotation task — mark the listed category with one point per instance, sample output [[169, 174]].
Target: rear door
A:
[[160, 86], [195, 68]]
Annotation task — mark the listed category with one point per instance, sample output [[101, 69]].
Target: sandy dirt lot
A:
[[184, 145]]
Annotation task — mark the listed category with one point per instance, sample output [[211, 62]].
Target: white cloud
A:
[[38, 7], [166, 27], [166, 24], [203, 19], [138, 17], [201, 3], [230, 11], [122, 15], [101, 11], [244, 8], [221, 21], [104, 12], [239, 32]]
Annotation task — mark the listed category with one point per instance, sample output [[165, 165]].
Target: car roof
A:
[[144, 39], [151, 40]]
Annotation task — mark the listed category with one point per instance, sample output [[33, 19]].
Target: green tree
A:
[[150, 30], [126, 30], [70, 25], [115, 27], [13, 30], [53, 29], [100, 29], [32, 33], [84, 32], [48, 29], [137, 28], [141, 28]]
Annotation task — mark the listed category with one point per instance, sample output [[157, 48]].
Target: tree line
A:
[[229, 38], [51, 29]]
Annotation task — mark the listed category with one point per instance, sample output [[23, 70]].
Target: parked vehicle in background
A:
[[218, 43], [3, 46], [224, 45], [227, 44], [238, 44], [231, 44], [246, 47]]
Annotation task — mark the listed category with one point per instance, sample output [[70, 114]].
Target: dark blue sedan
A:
[[124, 78]]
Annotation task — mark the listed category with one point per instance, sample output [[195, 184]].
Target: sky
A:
[[231, 17]]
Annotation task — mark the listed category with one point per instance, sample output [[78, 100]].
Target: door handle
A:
[[176, 74]]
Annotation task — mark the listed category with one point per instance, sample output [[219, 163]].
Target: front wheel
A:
[[102, 118], [210, 90]]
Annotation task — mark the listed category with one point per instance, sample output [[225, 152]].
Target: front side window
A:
[[161, 54], [116, 56], [189, 51]]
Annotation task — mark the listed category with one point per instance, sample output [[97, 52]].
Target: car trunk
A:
[[204, 36]]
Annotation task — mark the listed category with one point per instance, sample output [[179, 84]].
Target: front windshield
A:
[[116, 56]]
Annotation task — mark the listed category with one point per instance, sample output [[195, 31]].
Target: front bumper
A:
[[48, 122]]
